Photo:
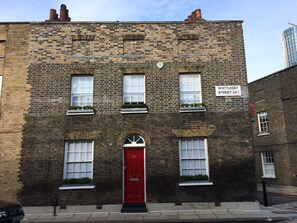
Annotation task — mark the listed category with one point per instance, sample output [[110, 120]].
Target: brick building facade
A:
[[14, 104], [131, 107], [274, 129]]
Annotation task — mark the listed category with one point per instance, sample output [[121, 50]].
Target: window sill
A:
[[268, 177], [80, 112], [197, 109], [78, 187], [264, 134], [133, 110], [195, 183]]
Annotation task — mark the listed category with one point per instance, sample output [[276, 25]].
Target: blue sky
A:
[[264, 20]]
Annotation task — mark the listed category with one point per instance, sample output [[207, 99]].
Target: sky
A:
[[264, 20]]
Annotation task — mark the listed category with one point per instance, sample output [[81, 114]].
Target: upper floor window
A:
[[268, 164], [263, 122], [82, 91], [134, 89], [259, 95], [190, 90]]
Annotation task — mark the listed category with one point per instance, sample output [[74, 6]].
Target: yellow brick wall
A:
[[13, 105]]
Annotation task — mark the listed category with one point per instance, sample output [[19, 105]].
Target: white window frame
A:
[[81, 94], [188, 91], [198, 183], [134, 141], [264, 157], [194, 158], [67, 144], [263, 126], [125, 91]]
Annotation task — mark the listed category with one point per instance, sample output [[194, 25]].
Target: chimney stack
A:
[[64, 13], [195, 16], [64, 17], [53, 15]]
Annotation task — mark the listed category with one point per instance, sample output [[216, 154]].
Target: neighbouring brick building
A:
[[14, 103], [274, 129], [125, 112]]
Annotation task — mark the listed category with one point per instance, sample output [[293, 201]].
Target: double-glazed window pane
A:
[[78, 160], [82, 91], [263, 122], [190, 92], [134, 89], [268, 164], [193, 157]]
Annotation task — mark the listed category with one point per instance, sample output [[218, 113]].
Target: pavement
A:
[[286, 212]]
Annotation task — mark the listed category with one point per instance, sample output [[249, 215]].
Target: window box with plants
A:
[[194, 107], [134, 108], [80, 110], [77, 183], [194, 180]]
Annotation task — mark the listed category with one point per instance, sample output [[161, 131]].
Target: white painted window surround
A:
[[268, 165], [82, 90], [193, 157], [78, 159], [134, 89], [190, 88], [263, 123]]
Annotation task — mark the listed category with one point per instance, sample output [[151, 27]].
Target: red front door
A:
[[133, 175]]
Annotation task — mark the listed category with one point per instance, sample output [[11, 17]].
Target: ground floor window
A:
[[78, 160], [193, 157], [268, 164]]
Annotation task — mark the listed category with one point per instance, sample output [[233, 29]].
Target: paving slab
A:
[[43, 218], [153, 216], [80, 217], [62, 218], [154, 213], [30, 218], [223, 214], [181, 213], [169, 213], [115, 217], [78, 209], [242, 214], [38, 209], [188, 217], [98, 217], [134, 217], [205, 215], [259, 214]]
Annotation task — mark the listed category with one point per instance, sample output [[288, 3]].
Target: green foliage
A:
[[198, 177], [84, 180], [88, 107], [134, 106], [194, 105]]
